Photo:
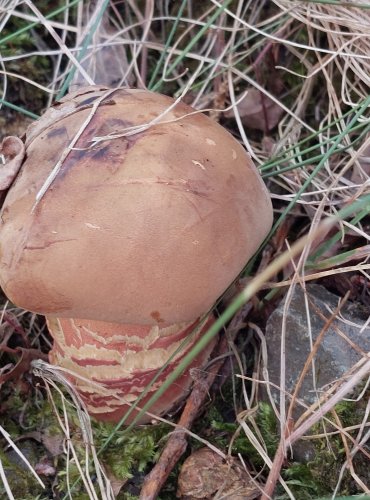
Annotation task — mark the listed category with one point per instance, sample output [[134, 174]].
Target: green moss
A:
[[220, 433], [319, 477], [133, 451], [302, 482], [127, 455], [127, 496], [19, 478]]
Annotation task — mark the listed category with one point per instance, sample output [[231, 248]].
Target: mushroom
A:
[[129, 217]]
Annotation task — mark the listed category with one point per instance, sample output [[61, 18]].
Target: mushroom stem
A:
[[113, 363]]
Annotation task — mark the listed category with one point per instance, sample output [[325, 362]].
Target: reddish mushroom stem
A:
[[115, 363]]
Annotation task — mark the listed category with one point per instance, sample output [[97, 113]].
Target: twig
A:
[[177, 442]]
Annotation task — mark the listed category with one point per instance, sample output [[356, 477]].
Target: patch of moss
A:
[[331, 451], [267, 425], [129, 452], [319, 477], [128, 455], [20, 480], [302, 482]]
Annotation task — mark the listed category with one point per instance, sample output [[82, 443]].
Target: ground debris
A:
[[205, 474], [258, 111]]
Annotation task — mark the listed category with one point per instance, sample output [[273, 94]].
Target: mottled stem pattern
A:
[[114, 363]]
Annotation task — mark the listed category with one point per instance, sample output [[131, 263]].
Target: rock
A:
[[19, 477], [335, 355]]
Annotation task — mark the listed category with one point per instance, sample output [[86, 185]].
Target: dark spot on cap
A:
[[87, 101], [110, 126], [119, 122], [100, 153], [57, 132], [75, 155], [231, 181], [157, 317], [108, 100]]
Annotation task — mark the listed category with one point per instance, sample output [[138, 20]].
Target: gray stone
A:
[[335, 355], [20, 479]]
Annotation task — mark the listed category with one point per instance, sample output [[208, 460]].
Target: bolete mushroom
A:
[[129, 217]]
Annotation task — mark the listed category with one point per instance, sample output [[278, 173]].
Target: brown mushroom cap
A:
[[148, 228]]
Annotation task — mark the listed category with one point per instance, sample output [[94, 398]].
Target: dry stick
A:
[[177, 442], [318, 275]]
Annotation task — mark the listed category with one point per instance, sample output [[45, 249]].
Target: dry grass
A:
[[310, 61]]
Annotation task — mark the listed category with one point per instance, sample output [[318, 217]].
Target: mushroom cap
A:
[[144, 228]]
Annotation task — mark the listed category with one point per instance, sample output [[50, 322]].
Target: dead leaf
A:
[[45, 468], [205, 474], [116, 484], [257, 111], [51, 440], [23, 365]]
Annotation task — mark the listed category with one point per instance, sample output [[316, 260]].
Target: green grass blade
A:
[[190, 45], [320, 165], [167, 44], [83, 50], [52, 14], [19, 109]]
